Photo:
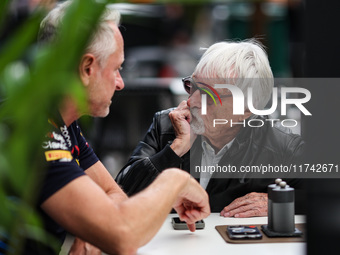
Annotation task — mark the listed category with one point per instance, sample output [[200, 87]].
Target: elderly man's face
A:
[[106, 79], [204, 124]]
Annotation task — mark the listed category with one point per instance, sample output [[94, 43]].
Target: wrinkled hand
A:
[[250, 205], [192, 204], [180, 119], [79, 247]]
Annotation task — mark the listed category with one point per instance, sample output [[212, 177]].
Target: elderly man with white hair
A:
[[189, 136]]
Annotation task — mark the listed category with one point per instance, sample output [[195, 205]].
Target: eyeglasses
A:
[[190, 87]]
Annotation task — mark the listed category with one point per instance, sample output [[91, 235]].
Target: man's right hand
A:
[[180, 119], [192, 204]]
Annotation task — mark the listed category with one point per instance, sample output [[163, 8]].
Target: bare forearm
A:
[[99, 174], [122, 226], [156, 201], [138, 218]]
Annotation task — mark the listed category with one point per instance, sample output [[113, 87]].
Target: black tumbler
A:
[[282, 204], [270, 209]]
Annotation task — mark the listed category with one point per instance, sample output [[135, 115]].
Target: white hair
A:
[[102, 42], [244, 64]]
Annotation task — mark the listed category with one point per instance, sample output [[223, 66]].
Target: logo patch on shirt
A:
[[60, 155], [58, 143]]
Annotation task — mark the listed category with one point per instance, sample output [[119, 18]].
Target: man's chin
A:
[[105, 114], [101, 114], [197, 130], [198, 133], [197, 125]]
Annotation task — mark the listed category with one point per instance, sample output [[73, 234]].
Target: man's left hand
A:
[[250, 205]]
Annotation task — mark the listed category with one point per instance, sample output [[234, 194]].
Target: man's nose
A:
[[194, 100], [119, 82]]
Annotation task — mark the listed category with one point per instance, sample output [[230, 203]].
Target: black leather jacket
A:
[[252, 146]]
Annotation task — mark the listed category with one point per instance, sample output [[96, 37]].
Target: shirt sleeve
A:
[[57, 175], [87, 157], [67, 156]]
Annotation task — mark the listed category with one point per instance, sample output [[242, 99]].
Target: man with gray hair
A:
[[78, 194], [192, 126]]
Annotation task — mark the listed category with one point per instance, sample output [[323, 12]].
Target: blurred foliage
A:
[[32, 81]]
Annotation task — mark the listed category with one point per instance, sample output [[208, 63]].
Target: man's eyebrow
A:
[[204, 84]]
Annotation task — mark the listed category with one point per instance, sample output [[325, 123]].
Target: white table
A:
[[208, 241]]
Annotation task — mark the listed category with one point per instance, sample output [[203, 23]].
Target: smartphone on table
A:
[[239, 232], [182, 225]]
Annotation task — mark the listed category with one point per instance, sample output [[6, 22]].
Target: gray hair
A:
[[244, 64], [102, 42]]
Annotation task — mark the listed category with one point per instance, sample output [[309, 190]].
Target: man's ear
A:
[[246, 115], [86, 68]]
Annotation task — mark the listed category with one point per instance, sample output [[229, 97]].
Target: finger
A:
[[241, 201], [92, 250], [259, 208], [78, 247], [191, 217], [180, 209], [180, 212], [251, 213], [183, 104], [192, 227], [245, 200], [239, 210], [184, 218], [194, 215]]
